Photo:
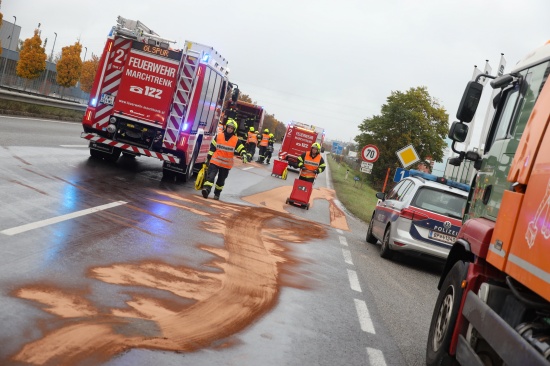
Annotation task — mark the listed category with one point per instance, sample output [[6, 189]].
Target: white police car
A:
[[422, 214]]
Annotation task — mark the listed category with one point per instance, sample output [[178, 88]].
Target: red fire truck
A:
[[247, 115], [298, 139], [149, 99]]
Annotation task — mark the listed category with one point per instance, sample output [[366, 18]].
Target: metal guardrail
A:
[[34, 99]]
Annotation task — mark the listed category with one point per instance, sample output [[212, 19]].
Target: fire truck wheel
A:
[[307, 206], [445, 315], [385, 250], [114, 156], [96, 154], [287, 201], [370, 238], [168, 174], [190, 170]]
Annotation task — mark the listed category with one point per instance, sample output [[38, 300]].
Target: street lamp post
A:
[[9, 48], [51, 60], [85, 52]]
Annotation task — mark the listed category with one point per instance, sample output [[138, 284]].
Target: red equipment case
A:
[[301, 193], [279, 167]]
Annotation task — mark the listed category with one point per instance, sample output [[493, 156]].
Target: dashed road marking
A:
[[343, 240], [54, 220], [347, 256], [376, 357], [73, 145], [339, 231], [248, 168], [364, 316], [354, 281]]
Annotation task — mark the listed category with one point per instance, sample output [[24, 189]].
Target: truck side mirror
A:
[[458, 132], [381, 196], [235, 95], [470, 100]]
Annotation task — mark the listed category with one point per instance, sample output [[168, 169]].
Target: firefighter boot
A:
[[205, 192], [217, 197], [217, 194]]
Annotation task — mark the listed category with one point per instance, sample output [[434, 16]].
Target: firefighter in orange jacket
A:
[[311, 163], [270, 148], [251, 143], [220, 158], [263, 146]]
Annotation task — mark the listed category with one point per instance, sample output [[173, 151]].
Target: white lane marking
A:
[[339, 231], [73, 145], [376, 357], [55, 220], [343, 240], [41, 120], [364, 316], [347, 256], [354, 281], [248, 168]]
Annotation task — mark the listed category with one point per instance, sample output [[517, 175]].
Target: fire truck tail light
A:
[[89, 116], [182, 140], [411, 214]]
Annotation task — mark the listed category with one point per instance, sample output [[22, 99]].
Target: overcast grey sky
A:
[[324, 62]]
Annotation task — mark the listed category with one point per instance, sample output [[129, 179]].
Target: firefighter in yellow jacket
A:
[[311, 163], [220, 158]]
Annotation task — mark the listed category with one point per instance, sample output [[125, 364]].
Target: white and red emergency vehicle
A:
[[148, 99], [298, 139]]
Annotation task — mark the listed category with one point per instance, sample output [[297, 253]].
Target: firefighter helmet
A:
[[231, 122], [271, 135], [316, 146], [266, 130], [251, 129]]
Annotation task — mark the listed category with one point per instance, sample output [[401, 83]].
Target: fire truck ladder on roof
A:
[[188, 65], [137, 30]]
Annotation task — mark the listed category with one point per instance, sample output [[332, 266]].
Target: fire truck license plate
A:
[[107, 99], [442, 237]]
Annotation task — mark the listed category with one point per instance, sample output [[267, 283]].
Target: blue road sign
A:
[[400, 173]]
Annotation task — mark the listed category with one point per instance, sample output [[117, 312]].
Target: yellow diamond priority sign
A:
[[407, 156]]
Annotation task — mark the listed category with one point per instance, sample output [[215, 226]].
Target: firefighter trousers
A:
[[222, 174], [262, 153], [250, 150]]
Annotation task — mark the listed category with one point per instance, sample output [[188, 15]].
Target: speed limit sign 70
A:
[[370, 153]]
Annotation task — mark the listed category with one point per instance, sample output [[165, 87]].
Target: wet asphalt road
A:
[[129, 216]]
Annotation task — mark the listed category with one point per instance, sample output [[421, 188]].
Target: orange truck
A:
[[149, 99], [493, 306]]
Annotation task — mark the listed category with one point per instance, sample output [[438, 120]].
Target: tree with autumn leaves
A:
[[89, 70], [32, 58], [69, 65]]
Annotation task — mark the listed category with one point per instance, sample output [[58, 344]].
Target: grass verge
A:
[[358, 197], [9, 107]]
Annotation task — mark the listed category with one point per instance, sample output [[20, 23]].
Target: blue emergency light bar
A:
[[442, 180]]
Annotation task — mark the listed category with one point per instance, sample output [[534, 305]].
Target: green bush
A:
[[357, 196]]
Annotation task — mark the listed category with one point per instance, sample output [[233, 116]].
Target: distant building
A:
[[6, 32]]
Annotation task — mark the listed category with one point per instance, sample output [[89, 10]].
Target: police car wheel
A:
[[370, 238], [385, 251]]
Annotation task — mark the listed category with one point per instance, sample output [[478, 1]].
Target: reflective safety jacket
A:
[[265, 139], [252, 137], [310, 165], [223, 148]]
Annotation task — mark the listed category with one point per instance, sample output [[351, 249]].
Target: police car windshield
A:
[[441, 202]]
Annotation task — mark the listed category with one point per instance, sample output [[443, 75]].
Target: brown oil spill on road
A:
[[275, 199], [216, 301]]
